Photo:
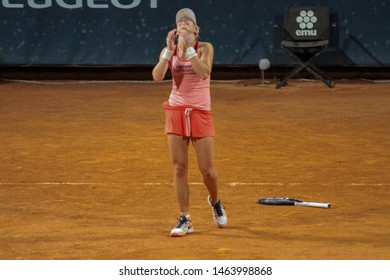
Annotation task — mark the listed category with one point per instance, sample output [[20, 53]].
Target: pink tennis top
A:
[[187, 88]]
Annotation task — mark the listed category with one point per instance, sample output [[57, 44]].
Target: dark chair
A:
[[305, 35]]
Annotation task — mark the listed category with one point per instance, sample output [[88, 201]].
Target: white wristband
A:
[[166, 54], [191, 52]]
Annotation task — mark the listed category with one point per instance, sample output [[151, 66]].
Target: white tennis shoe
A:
[[183, 227], [219, 213]]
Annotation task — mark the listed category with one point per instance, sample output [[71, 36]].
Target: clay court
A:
[[86, 174]]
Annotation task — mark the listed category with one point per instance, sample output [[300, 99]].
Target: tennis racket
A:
[[285, 201]]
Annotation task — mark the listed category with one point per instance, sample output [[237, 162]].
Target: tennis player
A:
[[188, 116]]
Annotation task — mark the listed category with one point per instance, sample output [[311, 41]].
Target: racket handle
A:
[[313, 204]]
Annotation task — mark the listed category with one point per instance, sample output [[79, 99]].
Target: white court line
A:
[[231, 184], [86, 184], [51, 183]]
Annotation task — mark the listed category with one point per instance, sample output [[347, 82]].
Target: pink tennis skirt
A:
[[188, 121]]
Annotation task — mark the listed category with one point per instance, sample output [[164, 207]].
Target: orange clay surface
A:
[[85, 172]]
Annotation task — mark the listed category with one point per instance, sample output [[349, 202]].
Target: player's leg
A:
[[204, 148], [178, 147]]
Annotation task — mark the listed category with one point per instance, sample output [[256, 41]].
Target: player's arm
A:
[[161, 67], [203, 62]]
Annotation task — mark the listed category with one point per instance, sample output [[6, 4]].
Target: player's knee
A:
[[180, 169], [208, 172]]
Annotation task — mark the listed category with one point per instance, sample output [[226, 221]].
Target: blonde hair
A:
[[197, 31]]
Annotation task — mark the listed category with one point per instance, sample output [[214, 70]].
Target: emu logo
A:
[[306, 21]]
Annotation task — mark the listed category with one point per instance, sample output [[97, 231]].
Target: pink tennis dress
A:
[[188, 109]]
